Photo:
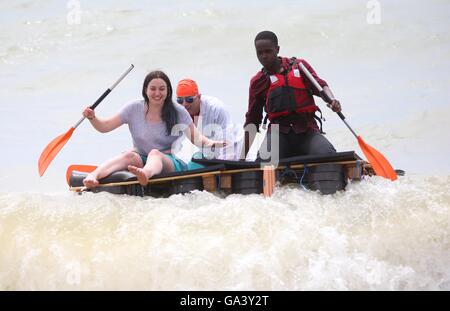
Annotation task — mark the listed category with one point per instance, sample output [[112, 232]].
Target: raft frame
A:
[[228, 177]]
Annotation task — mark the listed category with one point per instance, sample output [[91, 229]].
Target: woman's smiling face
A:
[[157, 91]]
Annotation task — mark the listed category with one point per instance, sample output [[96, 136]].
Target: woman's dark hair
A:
[[169, 113], [267, 35]]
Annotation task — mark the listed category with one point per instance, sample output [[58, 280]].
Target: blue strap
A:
[[303, 176], [359, 168]]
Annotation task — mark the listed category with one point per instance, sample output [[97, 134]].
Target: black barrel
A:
[[166, 189], [186, 185], [327, 178], [247, 182]]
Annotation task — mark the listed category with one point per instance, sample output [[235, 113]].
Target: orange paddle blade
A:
[[52, 150], [379, 163], [80, 168]]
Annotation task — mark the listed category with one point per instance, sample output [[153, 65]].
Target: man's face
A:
[[267, 52], [191, 103]]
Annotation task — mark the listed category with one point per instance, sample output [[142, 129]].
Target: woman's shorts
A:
[[180, 166]]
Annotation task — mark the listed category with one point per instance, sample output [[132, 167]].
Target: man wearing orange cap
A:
[[209, 116]]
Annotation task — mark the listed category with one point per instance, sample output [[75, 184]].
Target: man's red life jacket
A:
[[287, 93]]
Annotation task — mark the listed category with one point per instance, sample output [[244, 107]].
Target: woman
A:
[[151, 122]]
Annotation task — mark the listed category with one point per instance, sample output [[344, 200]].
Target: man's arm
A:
[[334, 104], [223, 119]]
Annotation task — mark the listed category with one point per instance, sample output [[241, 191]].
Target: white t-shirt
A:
[[215, 123]]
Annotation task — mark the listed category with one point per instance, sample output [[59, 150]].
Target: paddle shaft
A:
[[102, 97], [324, 95]]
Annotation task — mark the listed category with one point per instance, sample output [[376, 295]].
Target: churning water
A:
[[390, 67]]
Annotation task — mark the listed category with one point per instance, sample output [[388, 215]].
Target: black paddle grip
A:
[[328, 100], [99, 100]]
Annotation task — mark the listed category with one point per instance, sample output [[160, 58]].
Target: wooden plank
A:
[[354, 171], [225, 182], [268, 180], [282, 167], [209, 183], [150, 181]]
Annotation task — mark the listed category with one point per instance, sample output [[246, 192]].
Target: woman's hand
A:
[[216, 143], [89, 113]]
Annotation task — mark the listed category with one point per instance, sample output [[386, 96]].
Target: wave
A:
[[377, 235]]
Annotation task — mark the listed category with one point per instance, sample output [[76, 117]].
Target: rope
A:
[[303, 176], [288, 171]]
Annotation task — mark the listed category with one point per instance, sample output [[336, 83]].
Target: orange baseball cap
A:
[[187, 87]]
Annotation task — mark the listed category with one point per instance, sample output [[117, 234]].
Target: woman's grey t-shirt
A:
[[148, 135]]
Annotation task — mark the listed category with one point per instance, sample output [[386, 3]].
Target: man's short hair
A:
[[267, 35]]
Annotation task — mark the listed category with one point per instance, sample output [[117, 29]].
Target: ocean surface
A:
[[388, 62]]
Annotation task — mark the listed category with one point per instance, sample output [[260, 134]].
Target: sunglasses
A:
[[188, 99]]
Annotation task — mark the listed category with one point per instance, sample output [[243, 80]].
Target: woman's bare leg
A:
[[117, 163], [157, 163]]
